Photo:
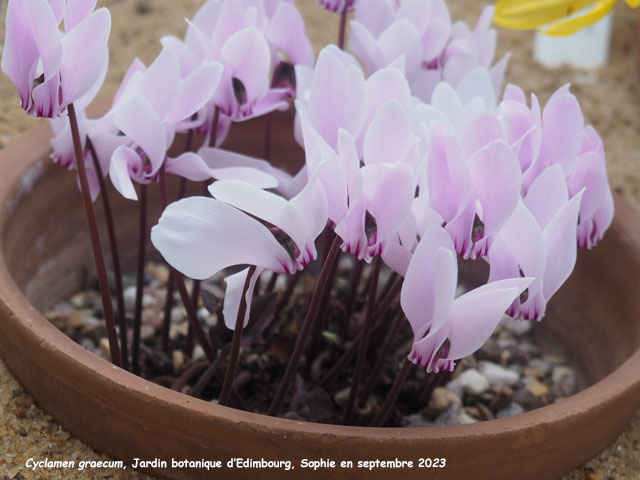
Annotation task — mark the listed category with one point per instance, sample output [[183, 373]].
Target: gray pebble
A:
[[510, 410]]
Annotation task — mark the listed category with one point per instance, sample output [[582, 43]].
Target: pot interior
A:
[[47, 252]]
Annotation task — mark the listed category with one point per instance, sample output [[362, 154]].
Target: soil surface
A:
[[610, 100]]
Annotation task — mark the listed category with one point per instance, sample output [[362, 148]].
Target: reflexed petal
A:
[[562, 126], [397, 258], [247, 54], [161, 83], [497, 179], [265, 205], [389, 190], [547, 195], [560, 245], [135, 67], [84, 49], [201, 236], [46, 36], [482, 130], [402, 38], [20, 54], [364, 45], [76, 11], [475, 315], [338, 96], [138, 121], [121, 161], [195, 91], [477, 83], [430, 282], [218, 158], [287, 32], [590, 174], [233, 296], [389, 136], [447, 173]]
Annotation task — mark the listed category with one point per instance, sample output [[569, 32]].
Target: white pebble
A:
[[497, 375], [473, 382]]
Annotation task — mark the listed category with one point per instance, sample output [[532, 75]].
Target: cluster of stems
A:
[[374, 319]]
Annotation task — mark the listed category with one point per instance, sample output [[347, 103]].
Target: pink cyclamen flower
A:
[[51, 69], [257, 42], [147, 108], [539, 241], [446, 328], [202, 236], [368, 150]]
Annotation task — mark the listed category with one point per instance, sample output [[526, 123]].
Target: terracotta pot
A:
[[45, 256]]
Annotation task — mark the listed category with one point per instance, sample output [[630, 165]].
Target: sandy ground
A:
[[610, 101]]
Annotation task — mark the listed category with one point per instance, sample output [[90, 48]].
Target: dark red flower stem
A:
[[343, 25], [168, 302], [234, 354], [390, 401], [324, 307], [98, 257], [215, 123], [364, 340], [346, 357], [309, 321], [354, 281], [190, 373], [115, 256], [182, 289], [382, 358], [195, 288], [267, 136], [142, 247]]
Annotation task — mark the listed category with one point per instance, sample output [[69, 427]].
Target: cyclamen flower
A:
[[51, 69], [539, 241], [202, 236], [257, 43], [146, 110], [420, 32], [366, 203], [472, 177], [558, 136], [446, 329]]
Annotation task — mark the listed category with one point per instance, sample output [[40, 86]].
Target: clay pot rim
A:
[[618, 382]]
